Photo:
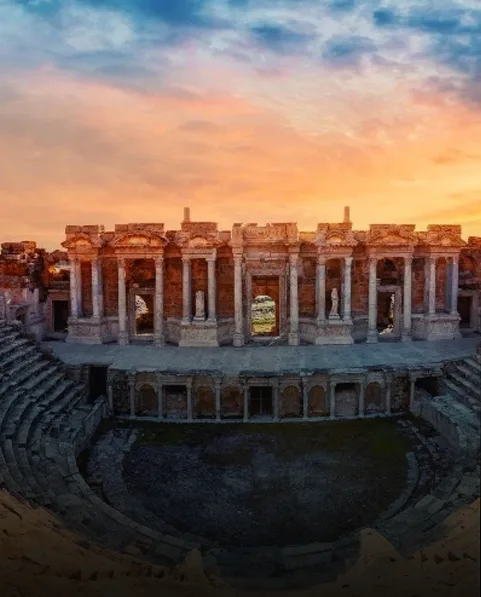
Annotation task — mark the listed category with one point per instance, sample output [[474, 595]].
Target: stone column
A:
[[454, 285], [211, 289], [78, 277], [246, 402], [160, 397], [305, 400], [332, 400], [388, 397], [347, 289], [275, 392], [74, 306], [432, 285], [186, 292], [321, 289], [122, 308], [132, 393], [189, 401], [238, 339], [372, 322], [217, 384], [407, 300], [362, 391], [294, 302], [159, 302], [96, 288]]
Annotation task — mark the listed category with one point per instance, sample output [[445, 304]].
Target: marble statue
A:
[[199, 305], [334, 313]]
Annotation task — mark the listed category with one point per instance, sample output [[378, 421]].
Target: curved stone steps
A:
[[6, 478], [17, 355], [13, 346], [35, 383], [25, 369], [472, 372], [454, 390], [468, 387], [5, 408]]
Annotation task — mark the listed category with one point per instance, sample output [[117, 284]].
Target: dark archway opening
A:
[[260, 403], [429, 384], [97, 382], [60, 316]]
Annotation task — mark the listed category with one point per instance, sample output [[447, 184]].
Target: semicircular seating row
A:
[[42, 423]]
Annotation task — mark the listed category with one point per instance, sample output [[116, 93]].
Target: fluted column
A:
[[96, 289], [332, 400], [454, 285], [294, 302], [407, 300], [186, 292], [246, 401], [372, 321], [432, 285], [347, 288], [122, 304], [211, 289], [239, 328], [321, 289], [74, 306], [78, 276], [159, 302]]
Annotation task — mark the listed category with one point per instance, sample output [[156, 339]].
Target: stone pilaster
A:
[[332, 400], [217, 384], [211, 289], [321, 289], [362, 392], [186, 291], [372, 335], [305, 400], [159, 302], [160, 396], [275, 396], [238, 339], [407, 300], [132, 393], [96, 288], [122, 306], [432, 285], [189, 401], [74, 306], [454, 285], [294, 302], [78, 276], [246, 402], [347, 289]]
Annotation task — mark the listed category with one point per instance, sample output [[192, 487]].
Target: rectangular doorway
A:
[[60, 315], [260, 401], [97, 382], [389, 313], [265, 306], [144, 313], [465, 304]]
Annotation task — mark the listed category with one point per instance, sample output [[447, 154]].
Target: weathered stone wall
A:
[[307, 287], [110, 286], [225, 282], [86, 275], [173, 286], [418, 282], [360, 287], [441, 281]]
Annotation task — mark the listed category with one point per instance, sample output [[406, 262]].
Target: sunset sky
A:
[[116, 111]]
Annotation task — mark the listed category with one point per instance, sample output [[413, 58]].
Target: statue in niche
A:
[[199, 305], [334, 313]]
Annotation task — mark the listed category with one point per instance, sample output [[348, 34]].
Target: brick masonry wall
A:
[[86, 274], [418, 285], [173, 287], [307, 287], [110, 275], [225, 284], [441, 279], [360, 287]]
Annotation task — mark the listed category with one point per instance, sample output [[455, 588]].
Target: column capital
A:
[[373, 260], [321, 259], [454, 259], [211, 259], [348, 260], [217, 383], [121, 261], [159, 260], [293, 258], [408, 260], [186, 258], [433, 259]]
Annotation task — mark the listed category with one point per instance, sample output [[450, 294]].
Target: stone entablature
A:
[[332, 265]]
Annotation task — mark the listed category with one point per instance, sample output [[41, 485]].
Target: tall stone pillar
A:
[[159, 302], [238, 339], [321, 289], [246, 401], [372, 320], [407, 300], [217, 384], [332, 400], [211, 289], [132, 393], [294, 302], [362, 393], [160, 397], [189, 401], [275, 392], [122, 307], [78, 277], [432, 285], [74, 306], [347, 288], [305, 400], [454, 285], [186, 291], [96, 288]]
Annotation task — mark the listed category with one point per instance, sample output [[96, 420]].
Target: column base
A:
[[238, 339], [372, 337], [406, 337], [123, 339], [159, 341], [293, 339]]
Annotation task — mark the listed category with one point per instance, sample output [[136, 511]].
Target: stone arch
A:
[[146, 403], [204, 402], [346, 399], [318, 402], [374, 398], [291, 401], [231, 400]]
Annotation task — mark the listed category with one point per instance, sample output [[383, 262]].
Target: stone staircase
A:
[[463, 381], [44, 425]]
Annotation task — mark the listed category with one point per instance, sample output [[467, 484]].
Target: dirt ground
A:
[[39, 557]]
